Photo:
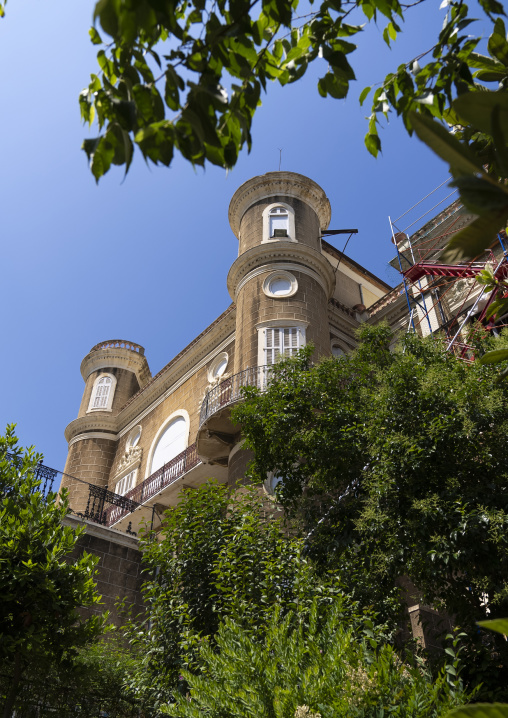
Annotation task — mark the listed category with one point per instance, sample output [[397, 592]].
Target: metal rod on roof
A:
[[430, 210], [420, 201]]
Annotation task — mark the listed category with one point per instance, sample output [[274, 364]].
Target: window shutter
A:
[[102, 390]]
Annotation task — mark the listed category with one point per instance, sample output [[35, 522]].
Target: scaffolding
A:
[[440, 296]]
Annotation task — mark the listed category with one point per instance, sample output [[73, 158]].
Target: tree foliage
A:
[[395, 463], [188, 76], [42, 588], [323, 669], [220, 556]]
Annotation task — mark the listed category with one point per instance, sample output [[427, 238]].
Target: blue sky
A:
[[146, 259]]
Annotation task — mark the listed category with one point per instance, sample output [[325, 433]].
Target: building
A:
[[139, 440]]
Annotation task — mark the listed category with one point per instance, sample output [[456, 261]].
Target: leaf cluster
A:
[[42, 587], [220, 555], [395, 465], [321, 669], [187, 76]]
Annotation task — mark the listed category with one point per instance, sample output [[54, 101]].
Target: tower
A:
[[281, 284], [113, 371]]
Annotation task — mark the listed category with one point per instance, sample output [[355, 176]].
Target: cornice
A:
[[179, 370], [118, 358], [92, 423], [272, 254], [286, 184], [342, 320]]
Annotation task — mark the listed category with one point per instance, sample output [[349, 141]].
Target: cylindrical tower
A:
[[281, 282], [113, 371]]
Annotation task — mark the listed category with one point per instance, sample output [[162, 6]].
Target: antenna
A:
[[280, 156]]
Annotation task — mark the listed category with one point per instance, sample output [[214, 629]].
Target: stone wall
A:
[[119, 571], [91, 461]]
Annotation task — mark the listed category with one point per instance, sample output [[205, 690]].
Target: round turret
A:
[[113, 372]]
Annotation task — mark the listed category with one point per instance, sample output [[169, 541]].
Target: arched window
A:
[[102, 393], [337, 350], [279, 222], [171, 442]]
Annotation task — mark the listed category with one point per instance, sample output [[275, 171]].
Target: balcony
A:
[[217, 434], [147, 501]]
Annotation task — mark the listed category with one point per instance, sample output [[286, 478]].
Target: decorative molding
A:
[[93, 435], [91, 424], [275, 256], [130, 460], [283, 184], [116, 357], [168, 382]]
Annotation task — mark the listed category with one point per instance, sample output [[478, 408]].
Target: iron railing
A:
[[151, 486], [43, 474], [230, 390]]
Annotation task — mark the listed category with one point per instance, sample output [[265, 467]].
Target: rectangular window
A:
[[281, 342], [126, 484], [279, 224]]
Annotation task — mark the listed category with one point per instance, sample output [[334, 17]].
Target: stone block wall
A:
[[307, 229], [119, 571], [309, 304], [91, 461]]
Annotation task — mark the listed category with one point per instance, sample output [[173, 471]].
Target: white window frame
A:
[[126, 483], [217, 361], [280, 325], [162, 428], [273, 276], [111, 394], [291, 237]]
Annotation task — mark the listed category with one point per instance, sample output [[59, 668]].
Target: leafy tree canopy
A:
[[395, 464], [188, 76], [42, 588], [220, 556], [321, 669]]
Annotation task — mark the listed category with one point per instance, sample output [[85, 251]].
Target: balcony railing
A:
[[230, 390], [151, 486], [43, 474]]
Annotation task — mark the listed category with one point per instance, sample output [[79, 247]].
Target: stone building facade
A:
[[147, 437], [139, 440]]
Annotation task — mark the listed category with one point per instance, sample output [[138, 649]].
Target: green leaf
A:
[[363, 94], [481, 194], [497, 45], [495, 357], [477, 108], [480, 710], [459, 157], [94, 36], [473, 239]]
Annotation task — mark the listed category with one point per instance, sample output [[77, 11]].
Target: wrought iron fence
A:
[[151, 486], [39, 698], [229, 390], [42, 473]]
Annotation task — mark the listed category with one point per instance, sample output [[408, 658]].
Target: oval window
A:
[[280, 286], [135, 437], [172, 442]]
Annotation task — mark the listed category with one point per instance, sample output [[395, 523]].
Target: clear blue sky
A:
[[146, 259]]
